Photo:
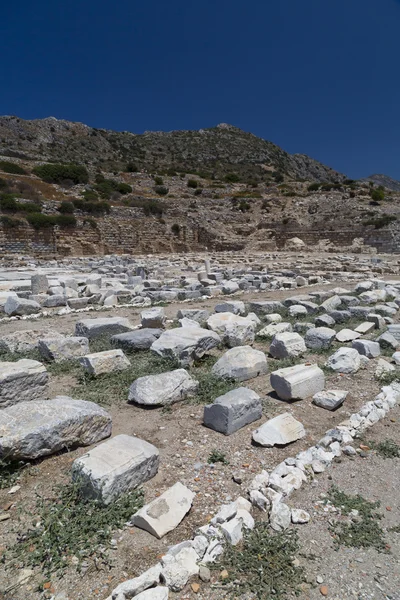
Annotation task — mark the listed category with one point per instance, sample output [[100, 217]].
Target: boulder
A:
[[330, 399], [140, 339], [280, 516], [54, 301], [273, 329], [21, 381], [115, 467], [153, 318], [233, 410], [324, 321], [347, 335], [30, 430], [286, 345], [387, 340], [298, 382], [279, 431], [266, 307], [162, 389], [319, 338], [185, 344], [20, 306], [230, 287], [394, 329], [241, 363], [61, 348], [232, 329], [39, 283], [367, 348], [233, 306], [165, 513], [107, 361], [22, 341], [106, 326], [195, 314], [345, 360]]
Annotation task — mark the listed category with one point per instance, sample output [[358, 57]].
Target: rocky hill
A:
[[385, 181], [215, 152]]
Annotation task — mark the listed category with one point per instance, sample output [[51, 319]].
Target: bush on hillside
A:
[[66, 208], [10, 167], [57, 173]]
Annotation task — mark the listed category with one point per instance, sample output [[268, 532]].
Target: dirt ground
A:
[[185, 446]]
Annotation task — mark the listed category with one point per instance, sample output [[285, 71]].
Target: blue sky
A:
[[319, 77]]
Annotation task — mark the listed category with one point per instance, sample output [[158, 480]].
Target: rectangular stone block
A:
[[108, 361], [233, 410], [116, 467], [22, 381], [298, 382], [95, 328]]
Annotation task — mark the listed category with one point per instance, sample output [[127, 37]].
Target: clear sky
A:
[[320, 77]]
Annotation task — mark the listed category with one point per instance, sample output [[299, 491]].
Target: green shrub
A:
[[232, 178], [131, 168], [66, 208], [313, 187], [10, 167], [29, 207], [90, 195], [8, 202], [40, 221], [198, 191], [192, 183], [380, 222], [378, 194], [107, 187], [150, 207], [57, 173], [91, 222], [3, 184], [124, 188], [78, 203], [158, 180], [10, 223], [161, 190], [176, 229], [65, 220], [97, 208]]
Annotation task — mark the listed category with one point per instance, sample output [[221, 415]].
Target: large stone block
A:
[[233, 329], [288, 344], [233, 410], [367, 348], [194, 314], [241, 363], [20, 306], [63, 348], [107, 361], [153, 317], [279, 431], [236, 307], [270, 331], [22, 341], [30, 430], [165, 513], [298, 382], [107, 326], [319, 338], [39, 283], [185, 344], [22, 381], [162, 389], [141, 339], [115, 467], [344, 360]]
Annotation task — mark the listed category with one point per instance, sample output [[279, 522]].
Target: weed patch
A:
[[263, 564], [10, 473], [364, 530], [69, 528], [217, 457], [386, 449]]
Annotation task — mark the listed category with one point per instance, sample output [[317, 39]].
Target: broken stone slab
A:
[[279, 431], [115, 467], [164, 514], [324, 321], [233, 410], [344, 360], [298, 382], [347, 335], [319, 338], [162, 389], [365, 327], [21, 306], [266, 307], [21, 381], [39, 283], [185, 344], [270, 331], [330, 399], [177, 569], [394, 329], [300, 516], [157, 593], [195, 314], [140, 339], [232, 329], [240, 364], [132, 587], [30, 430], [153, 318], [279, 516], [234, 306], [54, 301], [387, 340], [107, 361], [377, 320], [106, 326], [367, 348], [22, 341], [286, 345], [61, 348], [383, 367]]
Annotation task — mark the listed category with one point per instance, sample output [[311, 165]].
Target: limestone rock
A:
[[106, 326], [107, 361], [185, 344], [233, 410], [286, 345], [115, 467], [61, 348], [195, 314], [232, 329], [20, 306], [21, 381], [344, 360], [300, 516], [140, 339], [30, 430], [280, 516], [273, 329], [233, 306], [330, 399], [132, 587], [279, 431], [299, 381], [153, 318], [241, 363], [367, 348], [347, 335], [319, 337], [162, 389], [165, 513]]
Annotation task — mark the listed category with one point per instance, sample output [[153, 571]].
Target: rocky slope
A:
[[385, 180]]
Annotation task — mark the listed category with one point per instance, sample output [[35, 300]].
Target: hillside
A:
[[385, 181], [216, 151], [216, 189]]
